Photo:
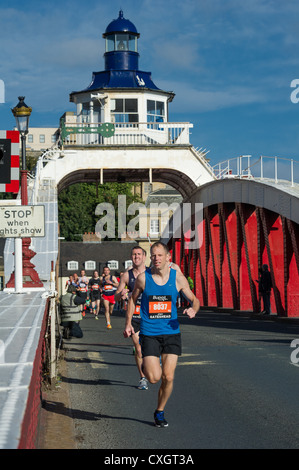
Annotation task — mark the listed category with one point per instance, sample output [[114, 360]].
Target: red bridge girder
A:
[[237, 239]]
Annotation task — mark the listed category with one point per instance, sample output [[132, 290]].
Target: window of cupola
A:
[[121, 42], [124, 110], [155, 111]]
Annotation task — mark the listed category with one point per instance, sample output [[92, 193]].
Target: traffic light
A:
[[9, 162], [5, 161]]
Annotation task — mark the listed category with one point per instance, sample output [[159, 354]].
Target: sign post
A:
[[22, 223]]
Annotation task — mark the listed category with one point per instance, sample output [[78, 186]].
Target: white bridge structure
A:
[[121, 132], [178, 164]]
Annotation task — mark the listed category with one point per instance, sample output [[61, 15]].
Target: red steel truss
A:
[[237, 239]]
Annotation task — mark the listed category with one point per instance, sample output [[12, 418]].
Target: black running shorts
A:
[[136, 325], [95, 295], [157, 345]]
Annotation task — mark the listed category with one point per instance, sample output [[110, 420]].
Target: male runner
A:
[[94, 286], [124, 291], [82, 289], [159, 328], [109, 284]]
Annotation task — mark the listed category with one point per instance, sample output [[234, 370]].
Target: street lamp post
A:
[[27, 276], [22, 114]]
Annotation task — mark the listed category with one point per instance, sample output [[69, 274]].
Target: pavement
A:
[[56, 422], [21, 317]]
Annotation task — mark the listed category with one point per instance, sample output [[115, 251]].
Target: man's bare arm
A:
[[138, 289], [183, 286], [121, 292]]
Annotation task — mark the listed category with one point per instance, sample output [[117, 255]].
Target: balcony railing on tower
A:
[[133, 133]]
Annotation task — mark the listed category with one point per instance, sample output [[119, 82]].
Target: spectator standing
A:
[[265, 288]]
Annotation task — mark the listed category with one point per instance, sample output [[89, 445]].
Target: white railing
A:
[[137, 133], [264, 168], [34, 180]]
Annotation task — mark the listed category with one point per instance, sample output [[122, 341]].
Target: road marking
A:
[[187, 355], [193, 363], [96, 356], [196, 363]]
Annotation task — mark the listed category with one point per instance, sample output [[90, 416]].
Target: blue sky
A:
[[229, 62]]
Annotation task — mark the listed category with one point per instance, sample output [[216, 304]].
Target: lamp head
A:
[[22, 114]]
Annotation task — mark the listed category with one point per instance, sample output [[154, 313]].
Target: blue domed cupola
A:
[[121, 93], [121, 45]]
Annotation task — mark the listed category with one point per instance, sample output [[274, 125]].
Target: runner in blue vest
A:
[[159, 328]]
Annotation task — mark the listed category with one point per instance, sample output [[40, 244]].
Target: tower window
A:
[[121, 42], [154, 226], [155, 111], [124, 110]]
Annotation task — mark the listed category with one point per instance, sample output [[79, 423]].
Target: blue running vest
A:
[[158, 307]]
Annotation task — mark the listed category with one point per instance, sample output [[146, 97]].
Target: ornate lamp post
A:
[[22, 114], [30, 277]]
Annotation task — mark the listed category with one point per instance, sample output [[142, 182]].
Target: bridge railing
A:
[[133, 133], [264, 168]]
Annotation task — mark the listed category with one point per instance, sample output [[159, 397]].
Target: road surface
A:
[[235, 387]]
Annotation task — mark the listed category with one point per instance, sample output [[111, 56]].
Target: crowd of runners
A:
[[97, 291], [150, 296]]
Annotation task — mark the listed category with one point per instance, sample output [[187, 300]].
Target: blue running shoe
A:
[[160, 421]]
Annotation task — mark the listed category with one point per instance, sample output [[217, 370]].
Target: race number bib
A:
[[136, 313], [159, 306], [108, 287]]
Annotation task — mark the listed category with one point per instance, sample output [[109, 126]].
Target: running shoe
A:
[[96, 317], [143, 384], [109, 326], [160, 421]]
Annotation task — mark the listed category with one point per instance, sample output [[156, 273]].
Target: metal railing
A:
[[276, 169], [137, 133]]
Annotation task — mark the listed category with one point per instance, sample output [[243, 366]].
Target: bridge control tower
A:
[[122, 125], [120, 132], [122, 94]]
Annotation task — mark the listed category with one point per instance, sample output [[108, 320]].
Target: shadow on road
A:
[[60, 408]]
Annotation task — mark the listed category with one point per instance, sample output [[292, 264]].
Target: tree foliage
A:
[[77, 204]]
